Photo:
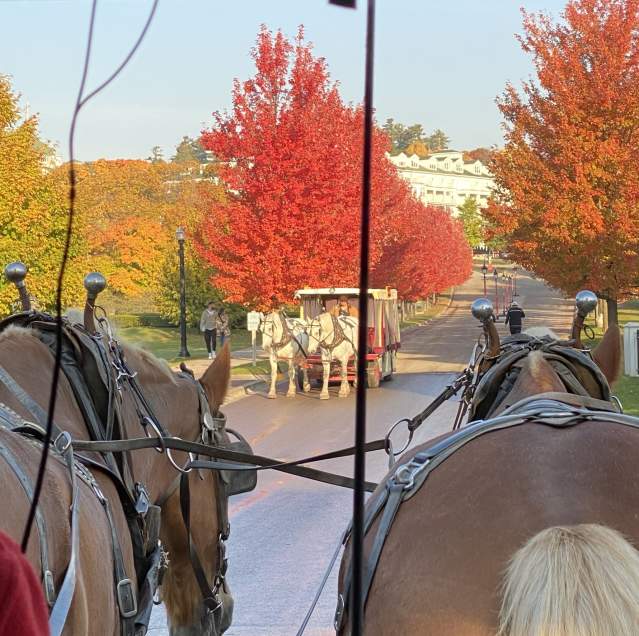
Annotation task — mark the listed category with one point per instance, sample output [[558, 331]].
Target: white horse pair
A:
[[285, 339], [292, 340], [337, 340]]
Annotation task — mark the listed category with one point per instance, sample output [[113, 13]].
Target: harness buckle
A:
[[405, 475], [142, 501], [127, 600], [63, 442], [213, 603], [49, 587], [207, 421], [339, 613]]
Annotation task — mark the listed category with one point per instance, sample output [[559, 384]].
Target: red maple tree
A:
[[568, 177], [291, 157]]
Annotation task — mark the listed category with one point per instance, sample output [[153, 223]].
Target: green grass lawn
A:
[[433, 310], [164, 342], [626, 388]]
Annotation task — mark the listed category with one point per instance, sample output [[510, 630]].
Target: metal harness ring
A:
[[388, 446]]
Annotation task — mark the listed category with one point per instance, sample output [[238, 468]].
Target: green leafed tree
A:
[[199, 290], [189, 150], [438, 141], [157, 155], [410, 138], [471, 220]]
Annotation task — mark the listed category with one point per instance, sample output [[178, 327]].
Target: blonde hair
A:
[[578, 580]]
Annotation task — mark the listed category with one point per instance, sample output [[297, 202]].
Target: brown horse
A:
[[453, 562], [175, 401]]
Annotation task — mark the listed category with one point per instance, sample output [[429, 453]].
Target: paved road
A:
[[284, 532]]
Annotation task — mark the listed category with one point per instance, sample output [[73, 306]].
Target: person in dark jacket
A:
[[514, 318]]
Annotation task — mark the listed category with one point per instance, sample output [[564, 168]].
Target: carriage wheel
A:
[[373, 375]]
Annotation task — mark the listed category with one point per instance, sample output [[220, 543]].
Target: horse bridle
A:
[[287, 336], [212, 433]]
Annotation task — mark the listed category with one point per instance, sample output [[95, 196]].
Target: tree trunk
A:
[[599, 313], [613, 314]]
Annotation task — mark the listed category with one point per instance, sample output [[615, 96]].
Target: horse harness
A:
[[98, 373], [339, 336], [550, 409], [287, 335]]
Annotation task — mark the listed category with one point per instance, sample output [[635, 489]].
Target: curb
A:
[[241, 391]]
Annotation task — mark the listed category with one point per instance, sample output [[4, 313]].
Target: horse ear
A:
[[215, 379], [607, 354]]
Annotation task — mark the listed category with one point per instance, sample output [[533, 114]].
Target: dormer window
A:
[[446, 166], [477, 169]]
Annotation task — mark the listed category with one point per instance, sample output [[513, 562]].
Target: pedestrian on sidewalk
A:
[[208, 322], [222, 326], [514, 317]]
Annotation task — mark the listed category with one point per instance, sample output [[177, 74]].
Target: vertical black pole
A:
[[357, 608], [184, 352]]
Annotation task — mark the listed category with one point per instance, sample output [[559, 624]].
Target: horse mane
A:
[[581, 579], [537, 376], [15, 331], [541, 332]]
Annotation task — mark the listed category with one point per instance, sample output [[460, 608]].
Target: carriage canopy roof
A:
[[377, 294]]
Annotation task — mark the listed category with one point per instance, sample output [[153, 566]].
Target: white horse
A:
[[337, 340], [285, 339]]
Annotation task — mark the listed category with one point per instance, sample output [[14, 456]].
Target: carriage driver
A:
[[344, 308]]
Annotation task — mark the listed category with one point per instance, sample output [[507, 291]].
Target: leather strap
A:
[[292, 467], [209, 593], [60, 611], [25, 482], [23, 397]]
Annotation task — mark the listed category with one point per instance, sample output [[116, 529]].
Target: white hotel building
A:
[[445, 179]]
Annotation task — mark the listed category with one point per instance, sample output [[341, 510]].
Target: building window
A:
[[446, 166], [477, 170]]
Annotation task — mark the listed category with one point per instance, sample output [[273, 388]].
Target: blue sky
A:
[[439, 63]]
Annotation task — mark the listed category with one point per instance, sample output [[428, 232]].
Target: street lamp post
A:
[[504, 286], [515, 281], [496, 278], [180, 235], [484, 270]]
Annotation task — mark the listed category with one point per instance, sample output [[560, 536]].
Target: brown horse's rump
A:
[[442, 564]]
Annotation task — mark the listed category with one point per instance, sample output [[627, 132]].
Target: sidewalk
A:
[[239, 386]]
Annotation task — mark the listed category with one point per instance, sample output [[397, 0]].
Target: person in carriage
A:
[[344, 308]]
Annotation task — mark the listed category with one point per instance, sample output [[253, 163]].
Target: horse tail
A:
[[578, 580]]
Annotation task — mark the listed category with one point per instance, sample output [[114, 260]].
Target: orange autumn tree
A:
[[127, 221], [568, 177]]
